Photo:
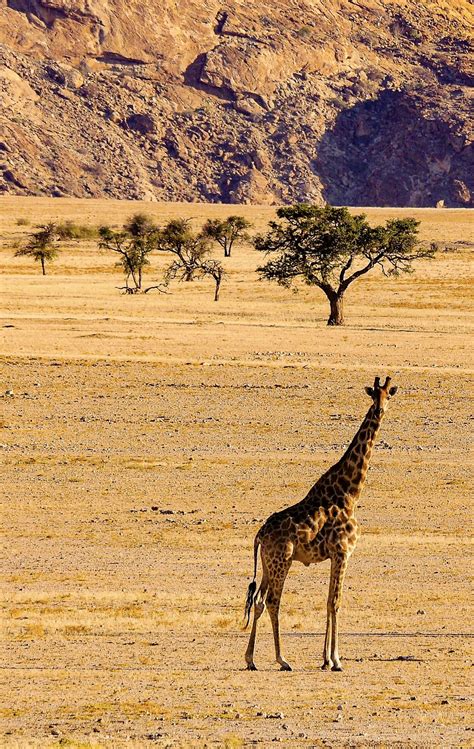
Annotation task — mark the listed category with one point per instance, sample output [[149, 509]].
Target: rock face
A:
[[361, 103]]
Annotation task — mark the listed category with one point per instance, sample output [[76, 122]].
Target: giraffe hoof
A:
[[337, 667], [285, 667], [251, 667], [326, 666]]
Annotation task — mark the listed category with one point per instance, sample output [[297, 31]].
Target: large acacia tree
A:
[[330, 248]]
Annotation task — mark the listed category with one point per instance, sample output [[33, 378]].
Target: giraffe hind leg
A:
[[258, 609], [275, 589]]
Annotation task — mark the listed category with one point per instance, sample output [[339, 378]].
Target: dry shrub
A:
[[70, 230]]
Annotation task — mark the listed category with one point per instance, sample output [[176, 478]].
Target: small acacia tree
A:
[[330, 248], [228, 232], [42, 245], [214, 269], [140, 225], [191, 253], [134, 244], [189, 249]]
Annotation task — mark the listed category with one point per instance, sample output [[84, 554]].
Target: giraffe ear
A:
[[392, 391], [369, 391]]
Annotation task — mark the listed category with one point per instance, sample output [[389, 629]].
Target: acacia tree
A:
[[134, 244], [330, 248], [140, 225], [42, 245], [214, 269], [228, 232], [189, 249], [191, 253]]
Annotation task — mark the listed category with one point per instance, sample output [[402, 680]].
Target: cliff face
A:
[[355, 102]]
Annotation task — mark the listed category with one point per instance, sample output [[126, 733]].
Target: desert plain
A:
[[146, 438]]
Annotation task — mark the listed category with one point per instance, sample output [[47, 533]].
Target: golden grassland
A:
[[146, 439]]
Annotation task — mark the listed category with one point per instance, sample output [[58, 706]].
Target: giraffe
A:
[[321, 526]]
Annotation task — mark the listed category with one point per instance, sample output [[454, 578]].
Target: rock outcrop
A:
[[360, 103]]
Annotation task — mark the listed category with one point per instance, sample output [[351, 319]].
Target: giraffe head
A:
[[380, 395]]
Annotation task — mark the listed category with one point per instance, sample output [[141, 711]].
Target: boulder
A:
[[140, 123], [462, 193], [73, 78], [16, 179], [242, 67], [64, 75], [16, 94], [252, 188], [249, 106]]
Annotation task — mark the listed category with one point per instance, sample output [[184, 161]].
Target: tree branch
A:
[[365, 269], [160, 287], [345, 269]]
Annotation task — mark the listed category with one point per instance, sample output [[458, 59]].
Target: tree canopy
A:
[[330, 248], [191, 253], [189, 249], [133, 244], [226, 233], [140, 225]]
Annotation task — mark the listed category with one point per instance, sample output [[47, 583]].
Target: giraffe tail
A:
[[252, 589]]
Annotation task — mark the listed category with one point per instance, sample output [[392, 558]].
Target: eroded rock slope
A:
[[362, 103]]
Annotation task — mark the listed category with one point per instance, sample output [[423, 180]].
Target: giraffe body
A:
[[322, 526]]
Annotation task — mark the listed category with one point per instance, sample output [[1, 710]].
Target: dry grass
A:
[[146, 440]]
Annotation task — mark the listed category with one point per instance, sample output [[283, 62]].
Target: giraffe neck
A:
[[347, 476]]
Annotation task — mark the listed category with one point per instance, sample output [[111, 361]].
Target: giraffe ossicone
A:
[[322, 526]]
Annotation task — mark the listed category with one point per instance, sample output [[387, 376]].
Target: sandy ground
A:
[[146, 439]]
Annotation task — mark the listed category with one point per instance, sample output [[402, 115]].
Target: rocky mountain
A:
[[358, 102]]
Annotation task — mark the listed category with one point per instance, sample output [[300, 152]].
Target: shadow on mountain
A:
[[47, 14], [192, 77], [387, 152]]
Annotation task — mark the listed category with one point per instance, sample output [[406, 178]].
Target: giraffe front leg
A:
[[327, 662], [340, 566]]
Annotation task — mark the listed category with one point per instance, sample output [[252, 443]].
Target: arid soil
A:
[[146, 438]]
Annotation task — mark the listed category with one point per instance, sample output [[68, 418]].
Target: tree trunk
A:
[[227, 249], [134, 279], [131, 271], [337, 310], [42, 265], [218, 285]]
